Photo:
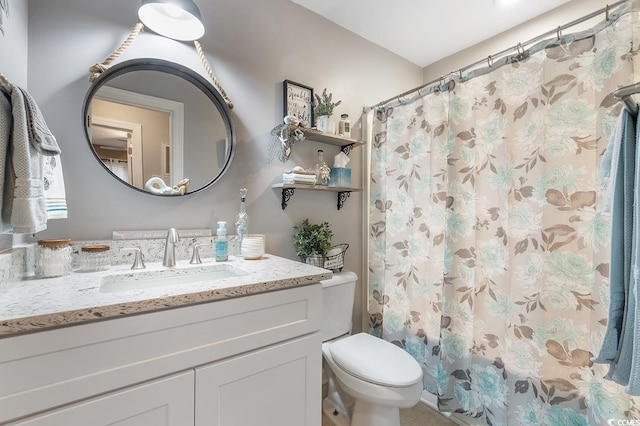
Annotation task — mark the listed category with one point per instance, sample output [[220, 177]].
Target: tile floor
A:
[[420, 415]]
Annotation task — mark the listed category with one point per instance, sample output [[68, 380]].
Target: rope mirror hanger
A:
[[97, 69]]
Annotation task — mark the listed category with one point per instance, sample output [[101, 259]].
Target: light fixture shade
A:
[[176, 19]]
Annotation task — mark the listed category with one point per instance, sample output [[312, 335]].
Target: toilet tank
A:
[[337, 304]]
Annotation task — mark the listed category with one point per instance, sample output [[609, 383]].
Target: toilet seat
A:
[[376, 361]]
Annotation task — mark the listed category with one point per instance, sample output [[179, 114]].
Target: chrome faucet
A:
[[170, 248]]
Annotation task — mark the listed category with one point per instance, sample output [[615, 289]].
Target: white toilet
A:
[[369, 379]]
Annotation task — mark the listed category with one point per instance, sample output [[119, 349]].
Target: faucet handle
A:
[[195, 258], [138, 262]]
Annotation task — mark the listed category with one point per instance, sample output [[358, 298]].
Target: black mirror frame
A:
[[153, 64]]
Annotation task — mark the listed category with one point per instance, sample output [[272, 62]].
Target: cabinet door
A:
[[277, 386], [166, 402]]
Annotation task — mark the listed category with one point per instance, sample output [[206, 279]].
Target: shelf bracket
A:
[[342, 197], [287, 193], [347, 148]]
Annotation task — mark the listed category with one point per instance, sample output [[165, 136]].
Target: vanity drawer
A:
[[50, 368]]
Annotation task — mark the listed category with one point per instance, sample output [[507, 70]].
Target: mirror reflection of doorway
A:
[[119, 145], [162, 123]]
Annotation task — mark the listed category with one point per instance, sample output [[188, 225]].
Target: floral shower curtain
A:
[[489, 244]]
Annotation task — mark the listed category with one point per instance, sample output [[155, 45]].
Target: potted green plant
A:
[[312, 241], [323, 107]]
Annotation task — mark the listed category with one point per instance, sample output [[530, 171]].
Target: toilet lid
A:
[[375, 360]]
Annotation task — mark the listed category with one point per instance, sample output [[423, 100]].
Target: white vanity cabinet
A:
[[167, 401], [239, 361], [266, 387]]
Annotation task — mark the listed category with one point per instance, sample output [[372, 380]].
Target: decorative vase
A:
[[323, 123]]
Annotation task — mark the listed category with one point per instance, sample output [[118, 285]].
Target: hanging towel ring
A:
[[490, 61]]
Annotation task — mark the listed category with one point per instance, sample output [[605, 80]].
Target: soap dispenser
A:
[[221, 242]]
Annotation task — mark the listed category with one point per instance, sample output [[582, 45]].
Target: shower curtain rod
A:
[[519, 48]]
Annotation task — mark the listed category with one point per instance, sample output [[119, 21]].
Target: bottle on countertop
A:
[[221, 242], [242, 223]]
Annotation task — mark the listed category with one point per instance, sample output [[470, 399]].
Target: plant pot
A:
[[323, 123]]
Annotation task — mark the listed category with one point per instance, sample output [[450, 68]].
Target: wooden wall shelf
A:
[[288, 190]]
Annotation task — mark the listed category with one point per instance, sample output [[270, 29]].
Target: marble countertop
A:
[[38, 304]]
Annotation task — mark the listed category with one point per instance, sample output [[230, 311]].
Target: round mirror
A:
[[159, 127]]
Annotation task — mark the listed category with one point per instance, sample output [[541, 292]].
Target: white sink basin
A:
[[174, 276]]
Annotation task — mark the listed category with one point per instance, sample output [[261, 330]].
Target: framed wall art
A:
[[298, 101]]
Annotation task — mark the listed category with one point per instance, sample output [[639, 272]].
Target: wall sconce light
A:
[[175, 19]]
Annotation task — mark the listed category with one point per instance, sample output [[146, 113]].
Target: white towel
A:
[[290, 177], [40, 137], [29, 211], [54, 191]]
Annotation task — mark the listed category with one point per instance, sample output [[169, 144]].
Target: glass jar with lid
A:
[[53, 258], [95, 258], [344, 126]]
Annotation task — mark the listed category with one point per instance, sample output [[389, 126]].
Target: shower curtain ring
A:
[[559, 32], [451, 84], [520, 49], [490, 61], [606, 13]]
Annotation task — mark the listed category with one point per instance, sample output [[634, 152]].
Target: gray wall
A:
[[252, 46], [14, 43]]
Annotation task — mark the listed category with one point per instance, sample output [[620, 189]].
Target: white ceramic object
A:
[[369, 379], [252, 247], [323, 123]]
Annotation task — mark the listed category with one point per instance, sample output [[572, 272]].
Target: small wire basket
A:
[[335, 261], [314, 260]]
